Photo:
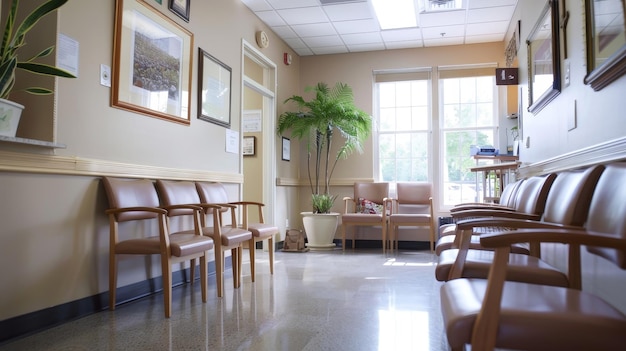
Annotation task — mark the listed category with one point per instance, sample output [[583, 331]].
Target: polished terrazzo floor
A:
[[324, 300]]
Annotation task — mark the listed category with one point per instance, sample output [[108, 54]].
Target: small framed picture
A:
[[286, 155], [181, 8], [249, 146]]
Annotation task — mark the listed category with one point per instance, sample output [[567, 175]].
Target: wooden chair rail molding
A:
[[606, 152], [284, 181], [68, 165]]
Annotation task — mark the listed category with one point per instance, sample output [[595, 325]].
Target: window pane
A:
[[387, 119], [386, 95]]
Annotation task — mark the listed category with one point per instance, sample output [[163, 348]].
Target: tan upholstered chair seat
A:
[[362, 218], [262, 230], [230, 236], [522, 268], [558, 328], [447, 242], [401, 218]]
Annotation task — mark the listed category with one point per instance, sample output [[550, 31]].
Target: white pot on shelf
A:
[[320, 229], [10, 113]]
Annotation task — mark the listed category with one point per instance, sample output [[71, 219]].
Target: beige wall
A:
[[54, 235]]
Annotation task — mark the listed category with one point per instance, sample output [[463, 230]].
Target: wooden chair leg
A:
[[112, 280], [270, 243], [166, 273], [203, 276], [235, 264], [219, 271], [192, 270], [252, 248], [343, 237]]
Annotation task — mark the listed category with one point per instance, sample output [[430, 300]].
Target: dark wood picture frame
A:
[[214, 89], [606, 58], [249, 146], [166, 95], [544, 59], [180, 8]]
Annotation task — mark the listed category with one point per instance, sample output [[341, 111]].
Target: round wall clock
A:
[[262, 39]]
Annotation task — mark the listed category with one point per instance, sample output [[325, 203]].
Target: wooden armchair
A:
[[530, 205], [496, 313], [567, 206], [137, 200], [225, 237], [368, 207], [413, 206], [215, 192]]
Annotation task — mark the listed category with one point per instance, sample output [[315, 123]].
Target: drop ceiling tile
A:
[[443, 41], [475, 39], [404, 44], [295, 43], [289, 4], [493, 14], [303, 51], [328, 40], [327, 50], [271, 18], [477, 4], [303, 15], [362, 38], [285, 32], [447, 18], [487, 28], [401, 34], [448, 31], [347, 12], [257, 5], [358, 26], [366, 47], [314, 30]]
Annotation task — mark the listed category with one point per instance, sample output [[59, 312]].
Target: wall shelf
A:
[[41, 143]]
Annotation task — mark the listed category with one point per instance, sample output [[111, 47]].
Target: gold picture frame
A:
[[144, 40], [606, 42]]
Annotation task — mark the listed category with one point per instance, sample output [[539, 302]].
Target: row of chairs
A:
[[412, 207], [143, 200], [494, 298]]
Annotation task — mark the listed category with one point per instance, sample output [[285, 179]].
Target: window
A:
[[468, 117], [404, 127]]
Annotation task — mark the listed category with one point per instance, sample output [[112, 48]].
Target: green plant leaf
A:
[[44, 69], [39, 91]]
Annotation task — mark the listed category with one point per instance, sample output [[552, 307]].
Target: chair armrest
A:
[[194, 207], [346, 201], [480, 206], [509, 223], [571, 236], [483, 213], [136, 209], [246, 203]]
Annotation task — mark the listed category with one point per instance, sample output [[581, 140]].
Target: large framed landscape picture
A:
[[152, 63]]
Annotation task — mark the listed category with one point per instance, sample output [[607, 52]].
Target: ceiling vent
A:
[[335, 2]]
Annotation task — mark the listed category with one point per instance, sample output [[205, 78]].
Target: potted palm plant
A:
[[331, 111], [13, 39]]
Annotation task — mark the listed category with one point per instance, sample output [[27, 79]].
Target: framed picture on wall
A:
[[145, 38], [286, 154], [214, 80], [249, 146], [181, 8]]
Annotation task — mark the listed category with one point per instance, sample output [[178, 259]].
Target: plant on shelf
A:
[[317, 121], [14, 38]]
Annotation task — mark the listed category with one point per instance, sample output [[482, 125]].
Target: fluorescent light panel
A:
[[394, 14]]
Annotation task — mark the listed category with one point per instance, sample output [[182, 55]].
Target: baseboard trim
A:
[[34, 322]]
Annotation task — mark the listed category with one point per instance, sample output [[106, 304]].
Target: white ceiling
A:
[[311, 28]]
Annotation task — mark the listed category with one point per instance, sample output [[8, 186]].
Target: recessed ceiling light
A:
[[395, 14]]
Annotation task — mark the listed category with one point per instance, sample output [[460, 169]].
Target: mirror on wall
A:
[[544, 67], [606, 42]]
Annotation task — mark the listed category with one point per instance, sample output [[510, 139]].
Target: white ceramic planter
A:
[[320, 229], [10, 113]]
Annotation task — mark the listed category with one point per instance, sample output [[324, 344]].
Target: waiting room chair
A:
[[215, 192], [412, 207], [368, 207], [137, 200], [529, 205], [496, 313], [225, 237], [567, 206]]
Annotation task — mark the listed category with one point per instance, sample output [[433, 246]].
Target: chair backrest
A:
[[375, 192], [212, 193], [533, 193], [131, 193], [178, 193], [607, 212], [509, 193], [414, 197], [570, 196]]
